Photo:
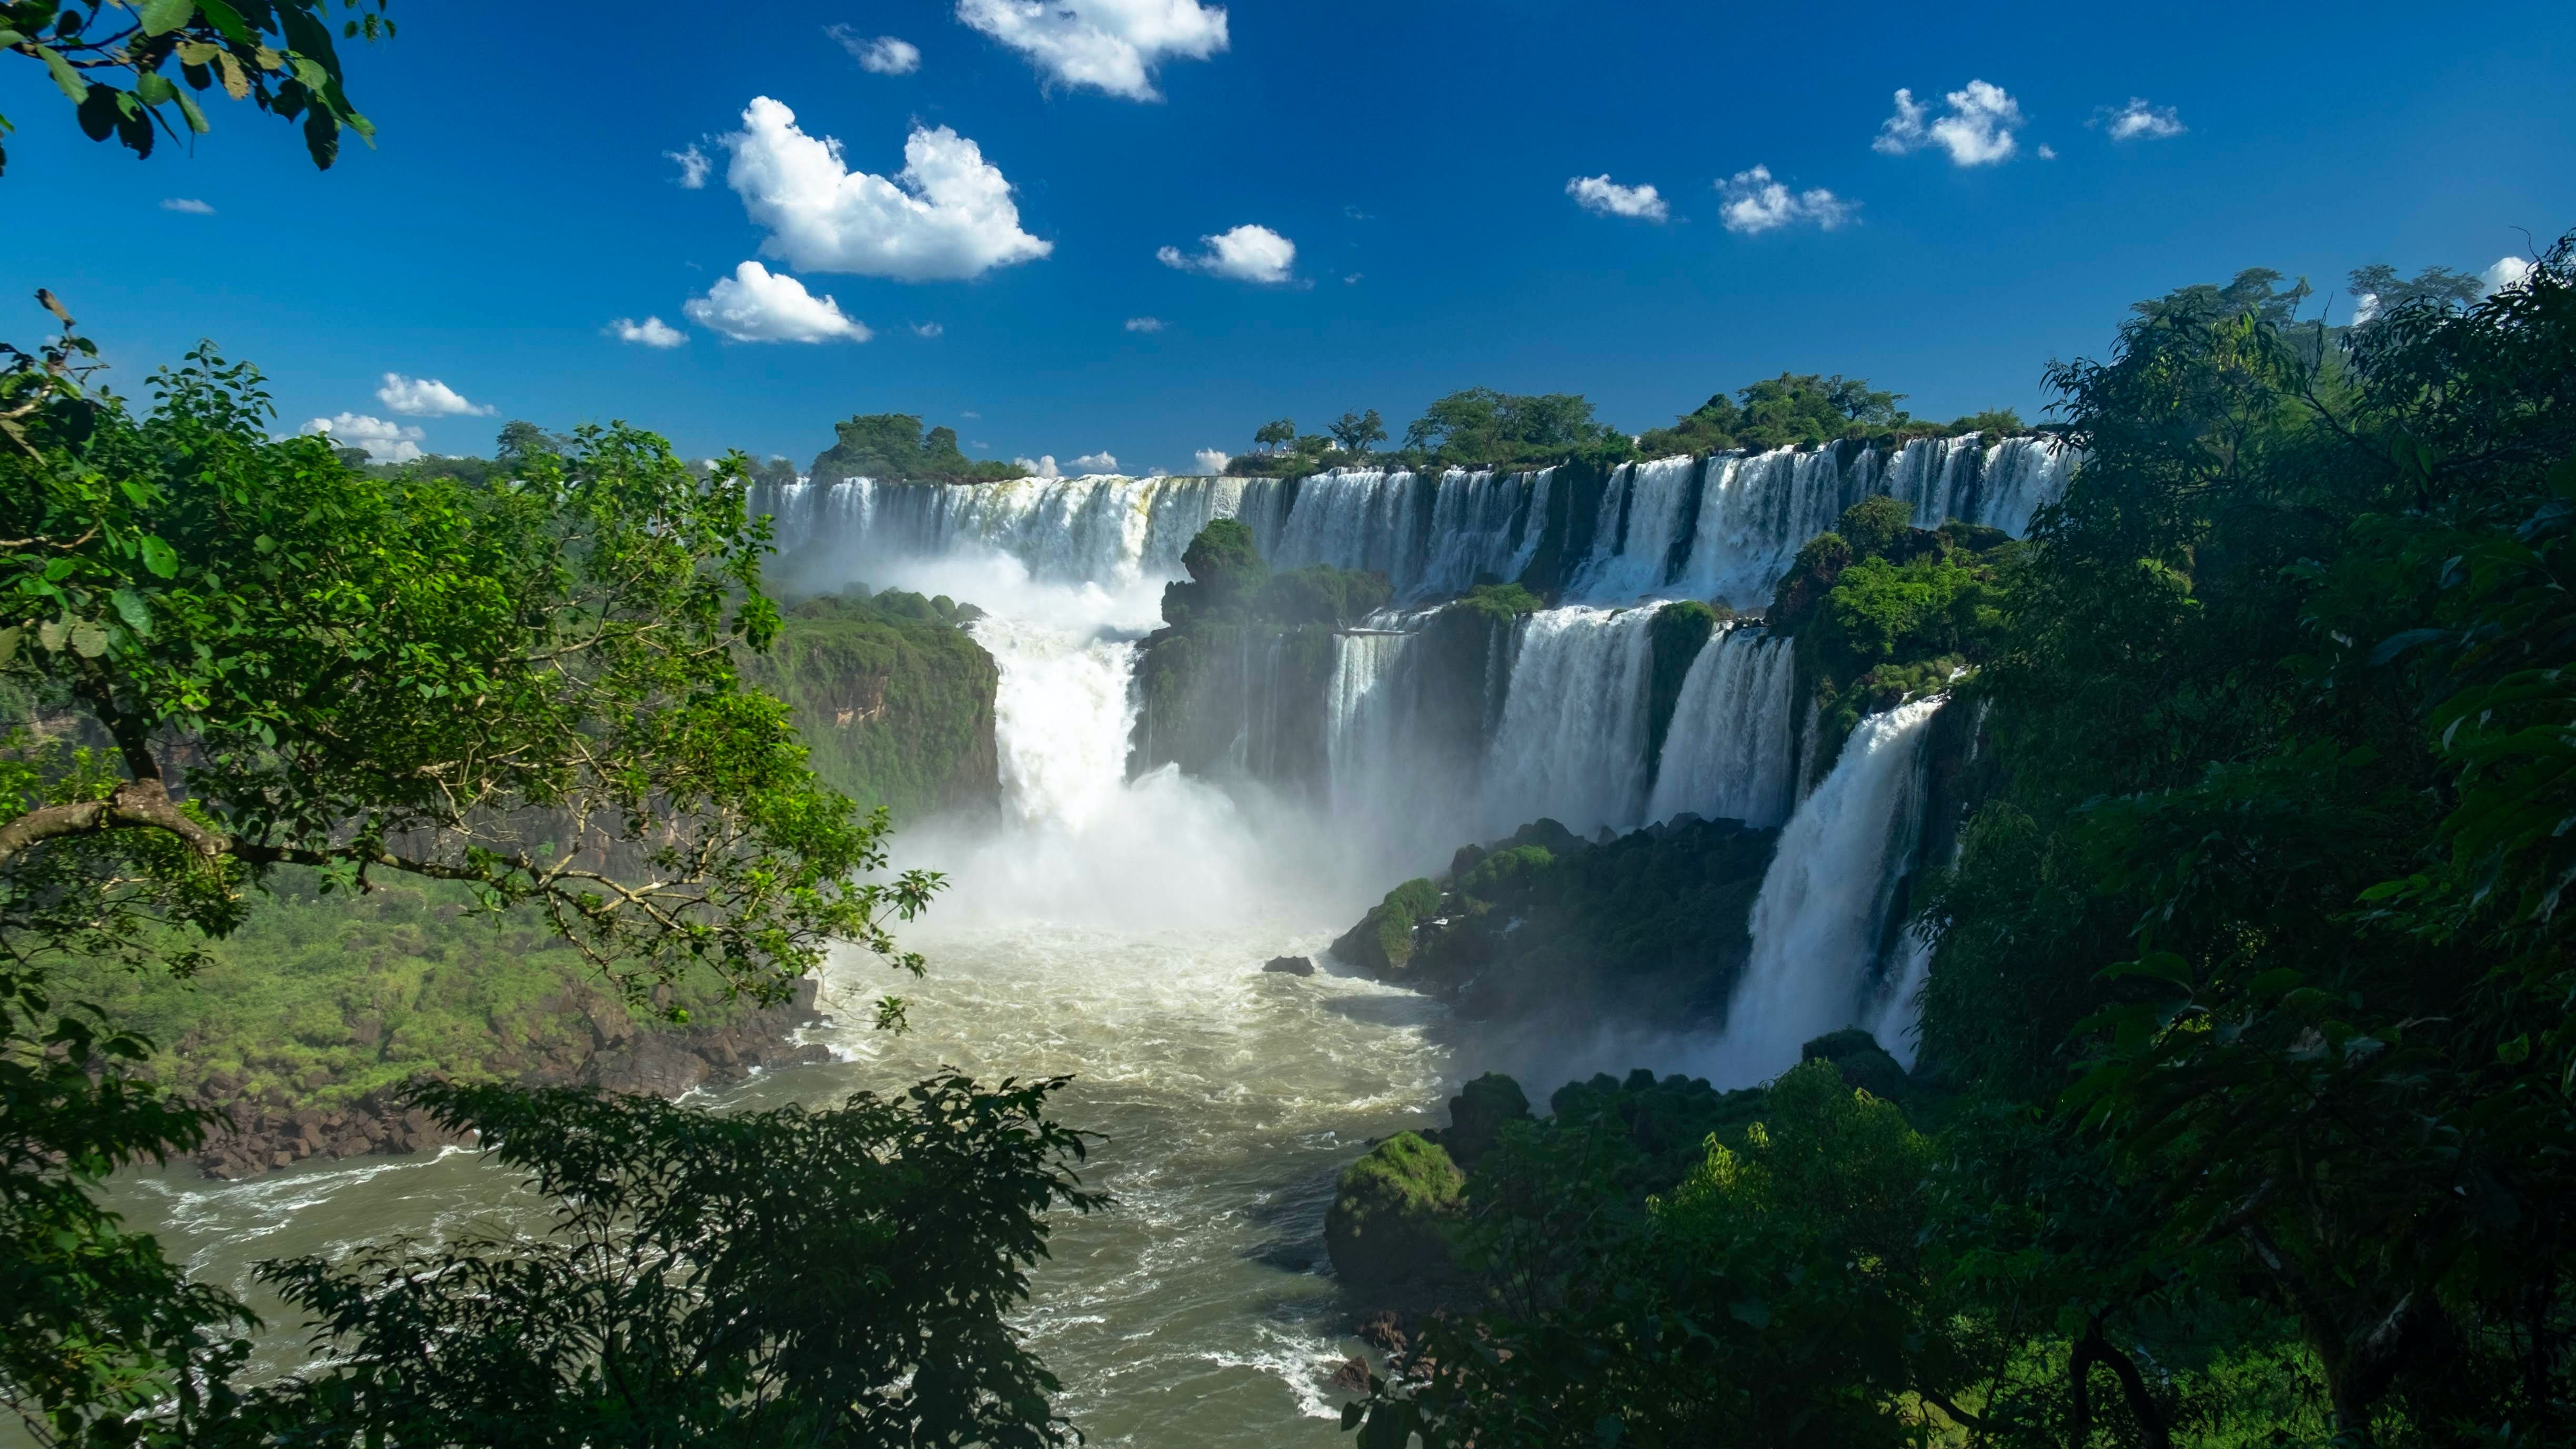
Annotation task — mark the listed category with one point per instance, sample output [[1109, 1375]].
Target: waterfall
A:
[[1754, 513], [1061, 718], [1481, 523], [1822, 913], [1646, 512], [1355, 518], [1572, 743], [1100, 529], [1729, 753]]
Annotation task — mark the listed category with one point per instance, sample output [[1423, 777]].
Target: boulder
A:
[[1389, 1226], [1291, 966], [1478, 1114]]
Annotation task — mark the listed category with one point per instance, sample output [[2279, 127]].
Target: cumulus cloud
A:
[[1101, 462], [756, 304], [2047, 152], [384, 441], [946, 216], [2507, 272], [1109, 45], [1043, 467], [188, 204], [927, 329], [1247, 254], [2138, 119], [1976, 128], [651, 332], [884, 55], [1211, 461], [693, 164], [1145, 324], [1601, 194], [426, 397], [1752, 202]]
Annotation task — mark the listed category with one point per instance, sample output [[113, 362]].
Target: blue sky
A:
[[1417, 155]]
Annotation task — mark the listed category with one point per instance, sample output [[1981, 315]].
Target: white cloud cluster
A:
[[651, 332], [693, 164], [884, 55], [426, 397], [1976, 129], [2507, 272], [385, 442], [946, 216], [1211, 461], [756, 304], [2138, 119], [1751, 202], [1101, 462], [927, 329], [1145, 324], [1109, 45], [1043, 467], [1246, 253], [188, 204], [1601, 194]]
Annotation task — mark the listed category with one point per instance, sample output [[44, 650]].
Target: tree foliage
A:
[[277, 54], [892, 447]]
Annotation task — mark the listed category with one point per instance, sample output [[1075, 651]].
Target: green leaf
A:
[[160, 557], [64, 76], [9, 638], [2511, 1053], [196, 117], [160, 17], [228, 20], [152, 88], [1751, 1312], [53, 633], [88, 640], [129, 605]]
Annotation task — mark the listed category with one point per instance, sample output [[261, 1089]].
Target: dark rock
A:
[[1863, 1063], [1478, 1114], [1291, 966], [1388, 1228], [1353, 1376]]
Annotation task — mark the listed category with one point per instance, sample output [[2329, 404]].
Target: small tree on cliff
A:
[[1272, 436], [1226, 571], [1355, 432]]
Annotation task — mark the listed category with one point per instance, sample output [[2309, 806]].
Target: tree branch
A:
[[135, 803]]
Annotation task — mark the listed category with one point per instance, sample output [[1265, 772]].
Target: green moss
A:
[[1501, 603], [319, 999], [1383, 940], [894, 700], [1389, 1227]]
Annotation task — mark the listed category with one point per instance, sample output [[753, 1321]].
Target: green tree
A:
[[1480, 426], [520, 440], [778, 1278], [249, 657], [210, 45], [1270, 437], [892, 446], [1355, 432]]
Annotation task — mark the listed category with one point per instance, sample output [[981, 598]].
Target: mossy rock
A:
[[1478, 1114], [1388, 1230], [1382, 943], [1862, 1061]]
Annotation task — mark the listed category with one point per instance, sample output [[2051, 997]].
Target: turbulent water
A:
[[1114, 928]]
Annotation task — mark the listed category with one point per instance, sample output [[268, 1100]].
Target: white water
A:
[[1728, 755], [1572, 745], [1644, 512], [1824, 903]]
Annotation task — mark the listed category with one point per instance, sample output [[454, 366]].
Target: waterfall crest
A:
[[1729, 756], [1822, 913], [1646, 513]]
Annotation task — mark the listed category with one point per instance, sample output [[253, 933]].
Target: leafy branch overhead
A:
[[253, 656], [277, 54]]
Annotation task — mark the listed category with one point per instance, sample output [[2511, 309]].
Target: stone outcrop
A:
[[621, 1057]]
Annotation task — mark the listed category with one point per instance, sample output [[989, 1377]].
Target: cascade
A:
[[1729, 755], [1822, 913], [1099, 529], [1061, 716], [1353, 518], [1646, 511], [1572, 742], [1482, 523]]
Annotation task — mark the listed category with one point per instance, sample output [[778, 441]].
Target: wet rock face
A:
[[263, 1137], [1291, 966]]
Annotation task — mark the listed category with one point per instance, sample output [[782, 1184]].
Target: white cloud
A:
[[385, 442], [1353, 279], [693, 167], [756, 304], [946, 216], [1109, 45], [1101, 462], [884, 55], [2047, 152], [1212, 461], [1752, 202], [1608, 197], [927, 329], [2507, 272], [188, 204], [2364, 307], [1977, 129], [2137, 118], [1144, 324], [651, 332], [1043, 467], [426, 397], [1247, 253]]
